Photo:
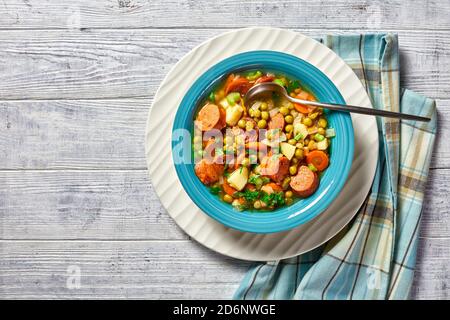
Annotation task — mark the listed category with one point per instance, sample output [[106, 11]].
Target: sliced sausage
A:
[[208, 171], [208, 117], [222, 120], [305, 182], [275, 167], [276, 122], [266, 78], [237, 84]]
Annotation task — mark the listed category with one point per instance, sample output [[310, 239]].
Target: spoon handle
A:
[[355, 109]]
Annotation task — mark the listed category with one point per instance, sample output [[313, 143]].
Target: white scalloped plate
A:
[[198, 225]]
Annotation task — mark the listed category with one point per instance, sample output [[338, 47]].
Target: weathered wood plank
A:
[[75, 134], [212, 14], [102, 134], [59, 64], [156, 270], [134, 270], [122, 205]]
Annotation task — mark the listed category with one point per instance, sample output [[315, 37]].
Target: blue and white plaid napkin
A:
[[374, 257]]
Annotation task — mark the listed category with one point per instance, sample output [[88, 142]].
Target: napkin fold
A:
[[375, 255]]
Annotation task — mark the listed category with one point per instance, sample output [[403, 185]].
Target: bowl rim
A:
[[286, 217]]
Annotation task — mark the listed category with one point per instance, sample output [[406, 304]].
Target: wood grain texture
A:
[[73, 134], [345, 14], [68, 64], [121, 204], [55, 204], [156, 270], [116, 270], [103, 134]]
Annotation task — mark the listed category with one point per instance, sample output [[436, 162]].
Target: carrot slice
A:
[[301, 108], [303, 95], [208, 117], [318, 159]]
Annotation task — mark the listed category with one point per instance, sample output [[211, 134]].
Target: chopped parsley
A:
[[293, 85], [215, 190], [274, 199], [249, 195]]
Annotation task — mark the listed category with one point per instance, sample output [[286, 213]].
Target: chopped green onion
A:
[[298, 137], [312, 167], [279, 82], [254, 75], [212, 97], [330, 133]]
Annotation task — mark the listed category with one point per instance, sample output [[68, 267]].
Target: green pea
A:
[[321, 131], [242, 123], [264, 106], [307, 122], [299, 153], [289, 119], [256, 113], [288, 128], [285, 183], [313, 115], [257, 204], [288, 194], [322, 123], [288, 201], [292, 141], [265, 115], [293, 170], [227, 198], [262, 124]]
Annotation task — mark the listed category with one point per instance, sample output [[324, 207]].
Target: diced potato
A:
[[300, 128], [234, 113], [322, 145], [238, 179], [287, 149]]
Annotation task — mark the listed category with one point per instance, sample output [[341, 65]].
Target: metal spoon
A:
[[264, 88]]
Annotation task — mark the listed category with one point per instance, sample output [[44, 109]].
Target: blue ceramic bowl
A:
[[331, 182]]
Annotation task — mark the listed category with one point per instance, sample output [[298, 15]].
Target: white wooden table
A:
[[76, 83]]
